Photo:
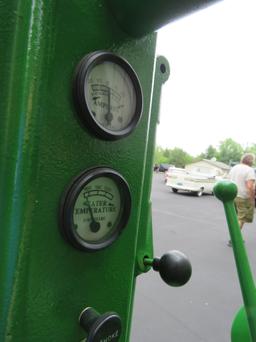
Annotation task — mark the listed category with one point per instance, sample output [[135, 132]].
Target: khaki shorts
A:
[[244, 209]]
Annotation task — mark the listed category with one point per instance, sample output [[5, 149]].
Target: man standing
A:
[[243, 176]]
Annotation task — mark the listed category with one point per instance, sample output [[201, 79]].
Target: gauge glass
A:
[[110, 96], [97, 209]]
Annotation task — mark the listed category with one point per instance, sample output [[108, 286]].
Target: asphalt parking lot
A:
[[203, 309]]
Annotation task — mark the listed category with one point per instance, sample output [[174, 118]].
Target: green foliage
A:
[[167, 153], [159, 157], [228, 152], [210, 153], [179, 158], [176, 157], [251, 149]]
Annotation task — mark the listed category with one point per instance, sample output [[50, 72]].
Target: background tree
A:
[[211, 152], [167, 153], [251, 149], [176, 157], [159, 157], [180, 158], [230, 151]]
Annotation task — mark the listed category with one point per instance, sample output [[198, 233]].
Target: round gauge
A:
[[108, 95], [95, 209]]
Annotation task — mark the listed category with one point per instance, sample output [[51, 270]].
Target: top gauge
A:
[[108, 95]]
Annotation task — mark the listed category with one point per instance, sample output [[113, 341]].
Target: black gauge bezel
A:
[[68, 201], [84, 113]]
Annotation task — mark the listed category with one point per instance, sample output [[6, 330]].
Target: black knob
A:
[[174, 267], [106, 327]]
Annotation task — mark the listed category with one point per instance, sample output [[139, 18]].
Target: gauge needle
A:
[[94, 225], [109, 115]]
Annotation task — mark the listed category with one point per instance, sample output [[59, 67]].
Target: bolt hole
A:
[[162, 68]]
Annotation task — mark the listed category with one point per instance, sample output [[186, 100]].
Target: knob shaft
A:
[[174, 267]]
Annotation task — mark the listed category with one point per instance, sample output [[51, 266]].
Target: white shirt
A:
[[239, 174]]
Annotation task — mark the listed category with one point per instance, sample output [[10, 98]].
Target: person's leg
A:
[[245, 213], [241, 223], [241, 209]]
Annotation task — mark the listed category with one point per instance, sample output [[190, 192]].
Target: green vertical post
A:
[[144, 245], [45, 281]]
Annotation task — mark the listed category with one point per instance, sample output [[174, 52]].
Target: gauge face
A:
[[108, 95], [95, 209]]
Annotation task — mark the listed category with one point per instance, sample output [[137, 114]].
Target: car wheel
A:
[[174, 190]]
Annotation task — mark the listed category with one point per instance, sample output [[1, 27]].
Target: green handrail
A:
[[226, 192]]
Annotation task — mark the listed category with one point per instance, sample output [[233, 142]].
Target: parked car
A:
[[197, 183], [163, 167], [170, 170]]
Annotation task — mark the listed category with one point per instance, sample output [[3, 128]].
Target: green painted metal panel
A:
[[139, 18], [45, 282]]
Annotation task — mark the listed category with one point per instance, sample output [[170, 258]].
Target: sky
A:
[[211, 92]]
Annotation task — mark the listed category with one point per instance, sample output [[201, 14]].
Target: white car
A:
[[184, 180], [172, 170]]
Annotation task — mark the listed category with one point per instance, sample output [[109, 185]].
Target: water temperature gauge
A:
[[95, 209], [108, 95]]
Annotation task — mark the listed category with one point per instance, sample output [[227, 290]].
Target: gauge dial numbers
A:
[[107, 95], [95, 209]]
